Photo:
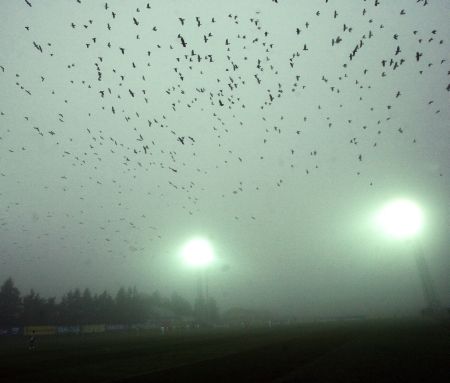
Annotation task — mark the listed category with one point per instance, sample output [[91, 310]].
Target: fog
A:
[[275, 129]]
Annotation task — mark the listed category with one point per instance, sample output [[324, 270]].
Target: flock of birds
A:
[[140, 107]]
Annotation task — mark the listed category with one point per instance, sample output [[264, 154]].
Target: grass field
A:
[[336, 352]]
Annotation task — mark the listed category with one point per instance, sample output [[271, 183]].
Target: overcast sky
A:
[[274, 129]]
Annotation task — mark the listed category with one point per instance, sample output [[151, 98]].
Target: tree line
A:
[[127, 306]]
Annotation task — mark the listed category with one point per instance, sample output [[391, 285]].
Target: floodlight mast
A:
[[203, 293], [199, 285], [199, 254], [429, 291], [403, 220]]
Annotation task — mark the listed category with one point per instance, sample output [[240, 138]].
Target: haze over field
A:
[[275, 129]]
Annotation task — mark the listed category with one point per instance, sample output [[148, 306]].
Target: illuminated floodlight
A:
[[198, 252], [401, 218]]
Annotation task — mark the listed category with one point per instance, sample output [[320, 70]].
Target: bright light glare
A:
[[400, 218], [198, 252]]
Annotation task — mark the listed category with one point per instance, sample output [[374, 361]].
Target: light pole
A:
[[403, 219], [198, 253]]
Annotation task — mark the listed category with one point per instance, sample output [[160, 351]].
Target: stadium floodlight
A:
[[198, 252], [401, 218]]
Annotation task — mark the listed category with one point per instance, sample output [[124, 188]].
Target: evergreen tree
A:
[[33, 308], [76, 308], [10, 303], [179, 305], [87, 307], [104, 308]]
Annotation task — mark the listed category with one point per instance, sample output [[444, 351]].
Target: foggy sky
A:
[[272, 177]]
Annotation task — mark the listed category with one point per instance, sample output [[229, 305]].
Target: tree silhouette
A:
[[10, 304], [128, 306]]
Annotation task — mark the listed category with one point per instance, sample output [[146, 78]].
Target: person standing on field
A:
[[32, 342]]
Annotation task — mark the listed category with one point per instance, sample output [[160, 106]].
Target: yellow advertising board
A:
[[39, 330], [92, 328]]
